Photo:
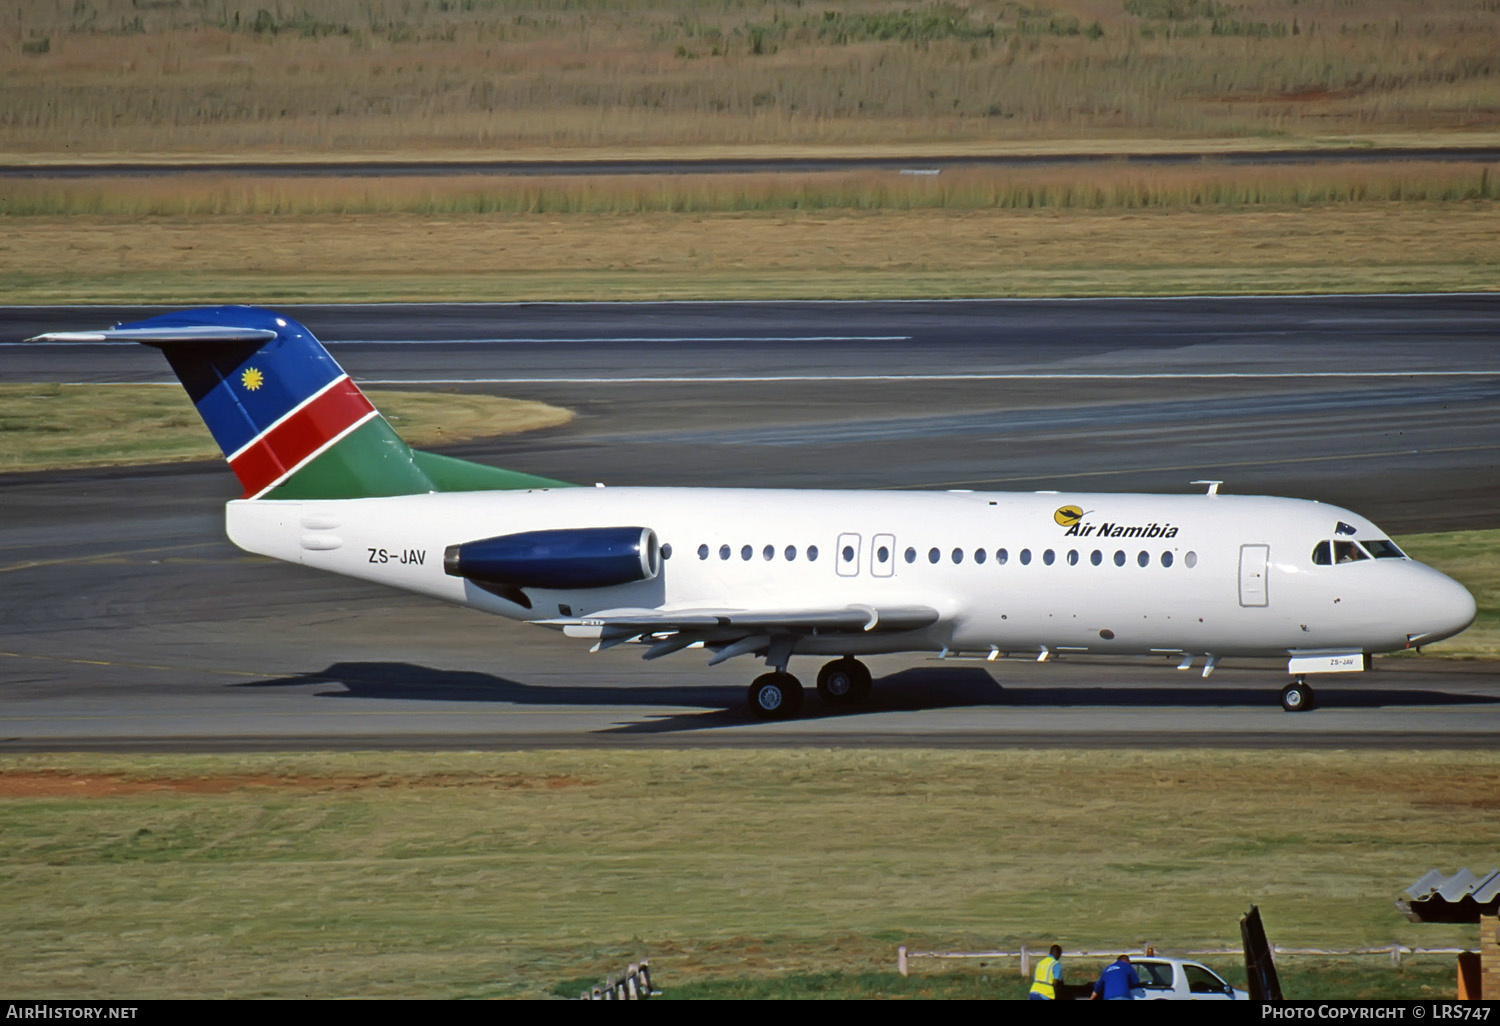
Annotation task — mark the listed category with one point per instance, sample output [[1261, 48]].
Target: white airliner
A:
[[774, 574]]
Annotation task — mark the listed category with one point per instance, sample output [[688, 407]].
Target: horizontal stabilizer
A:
[[162, 336]]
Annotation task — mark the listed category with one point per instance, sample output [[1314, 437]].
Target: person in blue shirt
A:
[[1117, 981]]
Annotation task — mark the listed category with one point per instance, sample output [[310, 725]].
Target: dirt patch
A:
[[58, 784]]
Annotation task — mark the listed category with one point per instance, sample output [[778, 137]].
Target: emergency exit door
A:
[[1254, 559]]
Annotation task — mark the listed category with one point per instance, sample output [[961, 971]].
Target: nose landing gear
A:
[[1298, 696]]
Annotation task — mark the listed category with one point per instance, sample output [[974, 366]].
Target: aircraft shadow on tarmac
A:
[[912, 690]]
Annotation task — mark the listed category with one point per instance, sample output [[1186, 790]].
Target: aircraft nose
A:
[[1443, 607]]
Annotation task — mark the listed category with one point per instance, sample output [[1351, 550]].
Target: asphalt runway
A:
[[740, 165], [128, 622]]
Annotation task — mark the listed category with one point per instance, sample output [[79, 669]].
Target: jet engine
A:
[[579, 557]]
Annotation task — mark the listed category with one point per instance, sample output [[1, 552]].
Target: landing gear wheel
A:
[[844, 682], [775, 696], [1297, 697]]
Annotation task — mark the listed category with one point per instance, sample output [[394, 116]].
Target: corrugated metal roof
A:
[[1460, 898], [1463, 884]]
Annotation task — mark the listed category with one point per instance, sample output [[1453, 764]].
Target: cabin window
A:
[[1072, 557], [666, 551], [882, 554], [1048, 557], [1322, 554], [768, 553], [1143, 558], [702, 551], [1119, 557], [723, 551], [1025, 557], [1383, 548], [848, 553], [1348, 552], [911, 554], [958, 556], [1166, 559], [746, 552], [812, 553], [1096, 557], [933, 555], [791, 553], [1002, 557], [1190, 560], [979, 555]]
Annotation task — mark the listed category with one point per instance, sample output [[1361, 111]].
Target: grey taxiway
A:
[[127, 621]]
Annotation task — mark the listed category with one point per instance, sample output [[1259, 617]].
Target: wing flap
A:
[[616, 623]]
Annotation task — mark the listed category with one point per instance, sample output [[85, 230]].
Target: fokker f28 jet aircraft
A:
[[774, 574]]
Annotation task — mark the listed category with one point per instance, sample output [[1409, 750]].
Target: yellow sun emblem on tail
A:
[[252, 379]]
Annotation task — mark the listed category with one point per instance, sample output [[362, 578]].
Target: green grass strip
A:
[[740, 873], [52, 426]]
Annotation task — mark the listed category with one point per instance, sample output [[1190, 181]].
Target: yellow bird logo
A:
[[1067, 516], [252, 379]]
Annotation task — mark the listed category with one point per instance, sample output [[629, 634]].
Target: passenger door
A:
[[1254, 560]]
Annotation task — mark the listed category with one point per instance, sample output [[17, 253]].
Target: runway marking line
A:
[[752, 379], [495, 340], [27, 564], [1196, 466], [135, 666]]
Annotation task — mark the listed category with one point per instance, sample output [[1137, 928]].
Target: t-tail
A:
[[290, 422]]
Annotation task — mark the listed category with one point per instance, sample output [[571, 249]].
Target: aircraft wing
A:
[[732, 632]]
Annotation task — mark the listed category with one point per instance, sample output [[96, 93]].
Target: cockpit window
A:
[[1344, 528], [1382, 548], [1347, 552], [1327, 553]]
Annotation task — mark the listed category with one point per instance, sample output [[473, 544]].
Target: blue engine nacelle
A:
[[579, 557]]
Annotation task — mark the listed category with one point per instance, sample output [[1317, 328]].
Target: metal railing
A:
[[632, 985]]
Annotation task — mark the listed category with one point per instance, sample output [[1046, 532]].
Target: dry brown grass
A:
[[1352, 246], [1090, 187], [120, 76]]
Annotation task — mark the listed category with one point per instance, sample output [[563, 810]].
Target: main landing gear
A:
[[1298, 696], [778, 695], [775, 696]]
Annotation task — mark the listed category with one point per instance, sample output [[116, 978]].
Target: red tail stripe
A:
[[289, 443]]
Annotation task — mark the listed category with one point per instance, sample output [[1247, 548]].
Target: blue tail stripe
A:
[[242, 388]]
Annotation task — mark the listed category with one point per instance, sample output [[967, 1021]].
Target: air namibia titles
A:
[[1109, 530]]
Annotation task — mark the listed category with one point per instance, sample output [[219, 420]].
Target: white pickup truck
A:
[[1172, 979]]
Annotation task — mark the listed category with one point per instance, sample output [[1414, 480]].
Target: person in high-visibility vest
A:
[[1048, 976]]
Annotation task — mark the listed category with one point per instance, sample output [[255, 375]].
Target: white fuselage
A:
[[1008, 572]]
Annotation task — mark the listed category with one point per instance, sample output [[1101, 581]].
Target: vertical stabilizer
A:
[[288, 419]]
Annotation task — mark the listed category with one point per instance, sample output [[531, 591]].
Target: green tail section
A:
[[372, 460]]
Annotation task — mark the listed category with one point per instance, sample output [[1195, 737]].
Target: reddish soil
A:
[[60, 784]]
